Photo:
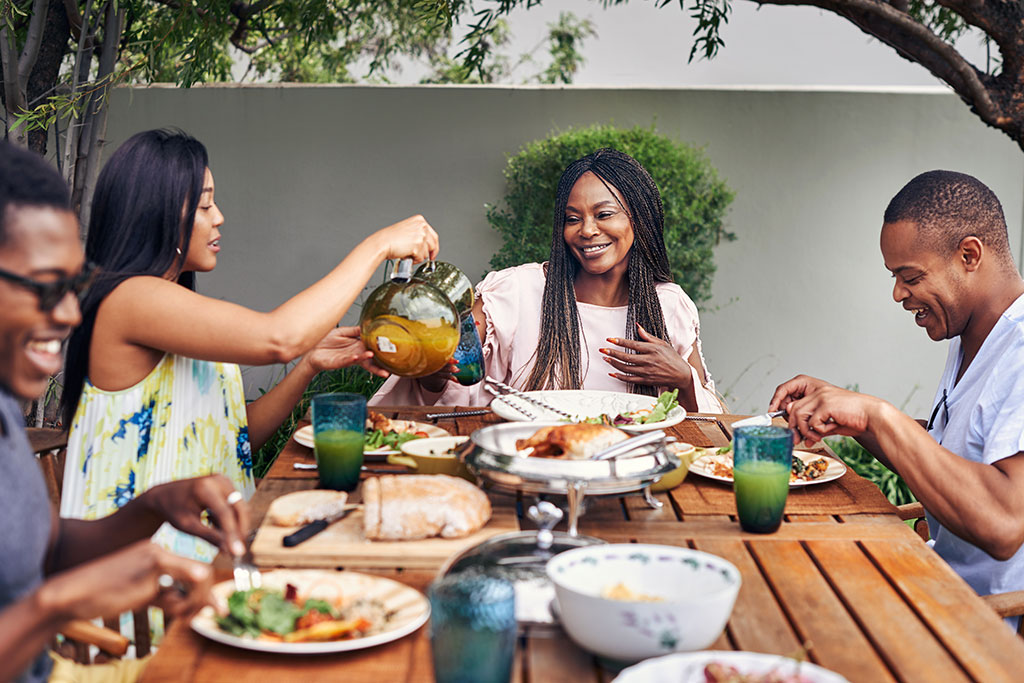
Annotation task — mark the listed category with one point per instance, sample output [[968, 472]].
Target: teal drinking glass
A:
[[469, 354], [339, 422], [762, 459], [472, 628]]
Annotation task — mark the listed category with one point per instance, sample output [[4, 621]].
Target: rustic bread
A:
[[410, 506], [303, 507], [571, 441]]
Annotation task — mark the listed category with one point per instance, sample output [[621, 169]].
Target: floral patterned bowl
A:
[[693, 594]]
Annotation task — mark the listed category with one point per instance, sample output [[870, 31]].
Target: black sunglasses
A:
[[52, 293], [935, 412]]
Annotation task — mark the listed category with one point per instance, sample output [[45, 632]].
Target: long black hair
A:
[[143, 210], [558, 362]]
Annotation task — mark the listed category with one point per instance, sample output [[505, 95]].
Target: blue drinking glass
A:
[[762, 459], [469, 354], [472, 628]]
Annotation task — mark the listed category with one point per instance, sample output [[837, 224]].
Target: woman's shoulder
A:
[[521, 274], [673, 296]]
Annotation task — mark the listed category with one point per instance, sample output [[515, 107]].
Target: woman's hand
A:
[[138, 575], [653, 362], [341, 347], [183, 502], [412, 238]]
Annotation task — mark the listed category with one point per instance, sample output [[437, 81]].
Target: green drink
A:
[[761, 489], [339, 421], [339, 457], [762, 457]]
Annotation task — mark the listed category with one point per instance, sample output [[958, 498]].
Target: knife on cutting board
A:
[[313, 528]]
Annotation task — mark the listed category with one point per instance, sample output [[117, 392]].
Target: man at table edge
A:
[[53, 570], [944, 239]]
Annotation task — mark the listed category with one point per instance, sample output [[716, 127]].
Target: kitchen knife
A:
[[313, 528]]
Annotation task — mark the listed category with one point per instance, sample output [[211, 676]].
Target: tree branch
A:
[[919, 44], [14, 97], [33, 39]]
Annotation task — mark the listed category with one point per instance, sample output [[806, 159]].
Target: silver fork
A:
[[501, 388]]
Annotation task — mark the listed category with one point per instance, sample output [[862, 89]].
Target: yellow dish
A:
[[433, 456], [686, 454]]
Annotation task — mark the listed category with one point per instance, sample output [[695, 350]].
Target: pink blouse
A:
[[511, 301]]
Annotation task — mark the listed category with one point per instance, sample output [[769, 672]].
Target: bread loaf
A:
[[410, 506], [303, 507]]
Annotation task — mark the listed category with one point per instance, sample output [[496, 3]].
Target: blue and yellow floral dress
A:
[[185, 419]]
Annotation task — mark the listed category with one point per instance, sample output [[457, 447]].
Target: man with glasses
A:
[[944, 240], [54, 570]]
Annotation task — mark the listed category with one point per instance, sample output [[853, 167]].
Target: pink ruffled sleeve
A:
[[683, 325]]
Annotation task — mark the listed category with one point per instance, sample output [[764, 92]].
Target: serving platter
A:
[[582, 403], [705, 467], [304, 435], [688, 667], [407, 609]]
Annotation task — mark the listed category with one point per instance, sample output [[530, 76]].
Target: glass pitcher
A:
[[409, 324], [451, 281]]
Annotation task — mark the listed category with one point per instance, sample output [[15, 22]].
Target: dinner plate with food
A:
[[384, 436], [808, 467], [726, 666], [628, 412], [312, 611]]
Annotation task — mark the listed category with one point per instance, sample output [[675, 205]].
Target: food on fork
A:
[[302, 507], [411, 506], [571, 441]]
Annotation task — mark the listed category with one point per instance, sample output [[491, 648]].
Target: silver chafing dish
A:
[[492, 455]]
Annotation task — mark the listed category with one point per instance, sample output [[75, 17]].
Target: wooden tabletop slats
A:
[[896, 631], [940, 596], [757, 623], [843, 576], [820, 618]]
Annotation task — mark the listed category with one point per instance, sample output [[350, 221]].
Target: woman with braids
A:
[[153, 391], [602, 313]]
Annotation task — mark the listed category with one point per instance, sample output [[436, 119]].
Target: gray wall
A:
[[303, 173]]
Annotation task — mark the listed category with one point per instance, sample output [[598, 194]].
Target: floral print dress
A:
[[185, 419]]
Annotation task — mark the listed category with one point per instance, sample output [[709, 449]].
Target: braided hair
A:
[[557, 361]]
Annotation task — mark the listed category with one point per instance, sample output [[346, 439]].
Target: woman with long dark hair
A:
[[153, 390], [607, 284]]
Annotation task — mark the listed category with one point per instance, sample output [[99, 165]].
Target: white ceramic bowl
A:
[[697, 592]]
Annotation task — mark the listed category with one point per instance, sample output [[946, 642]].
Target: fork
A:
[[246, 575], [504, 389]]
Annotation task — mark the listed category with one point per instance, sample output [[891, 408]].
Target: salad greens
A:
[[255, 611], [376, 438]]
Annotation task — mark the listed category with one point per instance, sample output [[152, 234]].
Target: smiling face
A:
[[205, 243], [42, 244], [597, 229], [928, 284]]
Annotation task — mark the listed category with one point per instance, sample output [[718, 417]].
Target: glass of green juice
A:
[[762, 459], [339, 421]]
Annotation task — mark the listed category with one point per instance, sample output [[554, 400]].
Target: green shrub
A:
[[865, 464], [694, 198], [351, 379]]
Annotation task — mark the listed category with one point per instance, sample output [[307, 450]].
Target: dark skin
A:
[[104, 567], [963, 295]]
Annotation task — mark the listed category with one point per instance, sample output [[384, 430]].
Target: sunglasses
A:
[[52, 293]]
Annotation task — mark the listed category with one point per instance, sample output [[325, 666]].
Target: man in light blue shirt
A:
[[945, 242]]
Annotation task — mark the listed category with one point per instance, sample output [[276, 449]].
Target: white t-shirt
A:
[[985, 424]]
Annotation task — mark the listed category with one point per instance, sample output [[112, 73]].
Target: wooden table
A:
[[843, 580]]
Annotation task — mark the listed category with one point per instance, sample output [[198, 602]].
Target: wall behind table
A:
[[303, 173]]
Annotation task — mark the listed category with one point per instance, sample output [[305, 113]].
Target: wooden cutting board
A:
[[343, 544]]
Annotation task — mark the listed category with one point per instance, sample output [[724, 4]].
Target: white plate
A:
[[408, 607], [585, 404], [688, 667], [304, 436], [704, 466]]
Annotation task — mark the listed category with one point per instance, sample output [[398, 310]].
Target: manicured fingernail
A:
[[237, 548]]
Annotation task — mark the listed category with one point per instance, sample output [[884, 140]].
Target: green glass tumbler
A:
[[339, 424], [762, 460], [472, 628]]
